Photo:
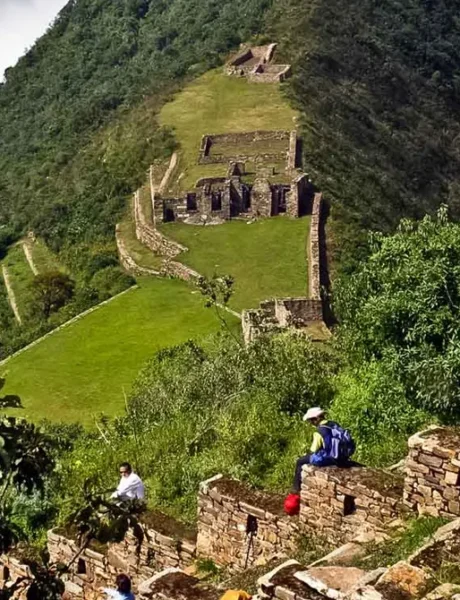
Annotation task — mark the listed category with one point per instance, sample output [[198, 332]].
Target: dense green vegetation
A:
[[266, 258], [58, 173], [197, 410], [377, 86], [85, 369]]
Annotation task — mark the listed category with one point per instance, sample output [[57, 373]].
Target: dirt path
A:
[[29, 257], [11, 296], [167, 175]]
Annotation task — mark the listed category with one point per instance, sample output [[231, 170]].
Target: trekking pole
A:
[[251, 539]]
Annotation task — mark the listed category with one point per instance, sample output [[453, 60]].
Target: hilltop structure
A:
[[256, 63]]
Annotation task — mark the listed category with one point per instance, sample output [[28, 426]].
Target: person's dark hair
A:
[[126, 466], [123, 584]]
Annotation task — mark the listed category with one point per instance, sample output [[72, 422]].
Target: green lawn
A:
[[216, 103], [266, 258], [83, 369]]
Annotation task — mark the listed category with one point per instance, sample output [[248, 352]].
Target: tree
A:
[[402, 308], [27, 459], [217, 291], [51, 291]]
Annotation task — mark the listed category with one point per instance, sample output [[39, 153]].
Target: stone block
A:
[[405, 577], [430, 461], [451, 478]]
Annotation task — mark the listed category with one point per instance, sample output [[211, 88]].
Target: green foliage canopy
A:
[[402, 309]]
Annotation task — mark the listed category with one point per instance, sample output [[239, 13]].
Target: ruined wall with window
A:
[[239, 527]]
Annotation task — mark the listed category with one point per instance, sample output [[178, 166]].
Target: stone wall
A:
[[228, 511], [292, 155], [167, 543], [151, 237], [432, 483], [173, 268], [261, 198], [206, 155], [314, 254], [270, 74], [297, 312], [256, 63], [127, 261], [338, 503]]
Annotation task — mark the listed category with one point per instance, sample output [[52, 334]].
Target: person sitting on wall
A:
[[332, 445], [123, 591], [130, 486]]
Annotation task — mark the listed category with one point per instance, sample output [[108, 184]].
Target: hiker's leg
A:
[[303, 460]]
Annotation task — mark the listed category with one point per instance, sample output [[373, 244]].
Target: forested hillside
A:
[[60, 173], [377, 85]]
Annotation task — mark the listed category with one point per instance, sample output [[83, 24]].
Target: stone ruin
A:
[[432, 483], [277, 315], [268, 191], [239, 528], [256, 64]]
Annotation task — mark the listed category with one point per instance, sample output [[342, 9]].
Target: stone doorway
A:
[[279, 196]]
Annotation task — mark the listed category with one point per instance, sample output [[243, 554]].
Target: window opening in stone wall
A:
[[81, 567], [349, 506], [216, 201], [251, 525], [191, 202], [251, 531]]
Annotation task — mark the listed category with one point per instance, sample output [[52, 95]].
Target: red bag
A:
[[292, 504]]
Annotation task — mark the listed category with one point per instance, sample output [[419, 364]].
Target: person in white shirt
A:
[[130, 486]]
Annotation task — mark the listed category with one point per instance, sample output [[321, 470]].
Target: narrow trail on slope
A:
[[11, 296], [29, 257], [167, 175]]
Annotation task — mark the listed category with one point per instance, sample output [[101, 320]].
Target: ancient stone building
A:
[[257, 64], [262, 180]]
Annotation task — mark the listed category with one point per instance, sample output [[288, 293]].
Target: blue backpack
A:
[[341, 446]]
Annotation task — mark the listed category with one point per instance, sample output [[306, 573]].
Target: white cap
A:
[[313, 413]]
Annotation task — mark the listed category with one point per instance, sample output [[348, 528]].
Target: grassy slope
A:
[[215, 103], [266, 258], [44, 259], [21, 275], [82, 370]]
